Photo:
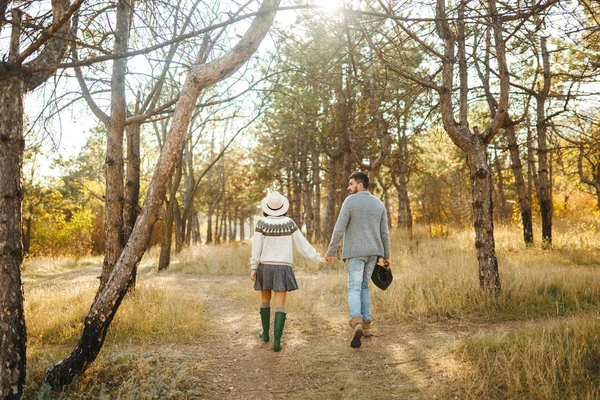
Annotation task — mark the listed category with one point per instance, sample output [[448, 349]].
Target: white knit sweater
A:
[[274, 241]]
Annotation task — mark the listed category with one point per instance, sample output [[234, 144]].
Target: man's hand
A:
[[387, 262], [253, 275], [328, 259]]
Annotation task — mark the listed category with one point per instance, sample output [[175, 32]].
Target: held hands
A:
[[328, 259], [253, 275]]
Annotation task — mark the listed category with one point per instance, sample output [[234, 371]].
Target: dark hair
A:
[[360, 177]]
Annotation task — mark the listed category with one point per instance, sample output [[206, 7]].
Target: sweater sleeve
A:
[[385, 234], [256, 250], [339, 229], [304, 247]]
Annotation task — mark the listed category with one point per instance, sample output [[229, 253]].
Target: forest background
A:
[[476, 122]]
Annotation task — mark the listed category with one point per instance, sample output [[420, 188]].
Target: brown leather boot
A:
[[367, 329], [356, 324]]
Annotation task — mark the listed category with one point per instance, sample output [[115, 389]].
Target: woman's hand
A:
[[253, 275]]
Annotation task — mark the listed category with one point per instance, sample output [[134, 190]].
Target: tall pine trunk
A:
[[12, 320], [132, 185], [483, 216], [164, 258], [113, 168], [522, 194], [18, 76]]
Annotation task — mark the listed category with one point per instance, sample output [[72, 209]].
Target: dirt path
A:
[[316, 360]]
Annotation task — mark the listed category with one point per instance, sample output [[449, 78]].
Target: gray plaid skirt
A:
[[278, 278]]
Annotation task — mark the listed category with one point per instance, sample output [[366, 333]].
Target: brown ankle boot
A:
[[367, 329], [356, 324]]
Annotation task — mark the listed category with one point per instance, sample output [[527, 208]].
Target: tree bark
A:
[[483, 218], [132, 187], [523, 197], [473, 143], [164, 258], [106, 304], [503, 209], [12, 320], [544, 188], [114, 200], [15, 82]]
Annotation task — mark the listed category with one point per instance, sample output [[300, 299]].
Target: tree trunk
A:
[[502, 208], [545, 188], [15, 81], [179, 227], [242, 233], [523, 197], [316, 182], [330, 207], [132, 187], [473, 143], [106, 304], [483, 218], [400, 173], [196, 238], [164, 259], [12, 320], [113, 225]]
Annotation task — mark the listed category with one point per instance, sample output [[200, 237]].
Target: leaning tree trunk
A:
[[12, 320], [106, 304], [522, 194]]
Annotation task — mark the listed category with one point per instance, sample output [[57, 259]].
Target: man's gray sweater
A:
[[363, 224]]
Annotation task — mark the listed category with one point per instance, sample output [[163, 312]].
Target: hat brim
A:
[[275, 213]]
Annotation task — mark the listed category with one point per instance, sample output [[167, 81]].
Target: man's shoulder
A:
[[362, 198]]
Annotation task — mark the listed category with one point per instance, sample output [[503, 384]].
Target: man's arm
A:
[[339, 230], [385, 235]]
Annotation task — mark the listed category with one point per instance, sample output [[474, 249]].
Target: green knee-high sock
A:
[[265, 318], [279, 323]]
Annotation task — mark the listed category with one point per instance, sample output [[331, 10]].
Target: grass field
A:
[[189, 332]]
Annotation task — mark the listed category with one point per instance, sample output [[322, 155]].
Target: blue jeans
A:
[[360, 270]]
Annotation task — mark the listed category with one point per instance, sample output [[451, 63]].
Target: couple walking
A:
[[362, 222]]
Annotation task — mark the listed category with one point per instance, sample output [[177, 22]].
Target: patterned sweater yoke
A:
[[274, 240], [276, 229]]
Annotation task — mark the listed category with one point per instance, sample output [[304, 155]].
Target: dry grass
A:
[[558, 360], [539, 339]]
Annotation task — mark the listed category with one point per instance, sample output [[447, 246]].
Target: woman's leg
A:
[[265, 298], [279, 301]]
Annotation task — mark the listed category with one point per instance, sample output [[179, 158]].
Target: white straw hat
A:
[[275, 204]]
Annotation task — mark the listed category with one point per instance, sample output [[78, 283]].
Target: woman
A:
[[275, 237]]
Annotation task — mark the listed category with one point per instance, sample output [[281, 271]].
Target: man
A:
[[363, 224]]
